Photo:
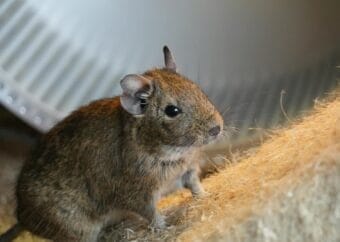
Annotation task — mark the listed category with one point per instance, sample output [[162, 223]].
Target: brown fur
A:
[[101, 161]]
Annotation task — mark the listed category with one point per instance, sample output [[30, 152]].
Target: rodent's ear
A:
[[169, 59], [136, 90]]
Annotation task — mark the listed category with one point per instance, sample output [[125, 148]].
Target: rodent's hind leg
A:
[[87, 232], [58, 223], [192, 181]]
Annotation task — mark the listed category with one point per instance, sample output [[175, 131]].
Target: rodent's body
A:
[[115, 156], [97, 175]]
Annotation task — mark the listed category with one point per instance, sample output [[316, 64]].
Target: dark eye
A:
[[172, 111]]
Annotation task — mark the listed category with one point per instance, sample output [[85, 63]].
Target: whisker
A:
[[231, 129], [225, 110]]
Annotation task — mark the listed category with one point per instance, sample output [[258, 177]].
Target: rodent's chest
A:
[[168, 170], [167, 165], [173, 165]]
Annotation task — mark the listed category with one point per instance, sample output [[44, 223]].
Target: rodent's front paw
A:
[[201, 193], [158, 222]]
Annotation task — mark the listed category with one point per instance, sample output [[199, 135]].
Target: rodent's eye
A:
[[172, 111]]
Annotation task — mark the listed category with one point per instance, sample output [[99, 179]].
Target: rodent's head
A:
[[170, 109]]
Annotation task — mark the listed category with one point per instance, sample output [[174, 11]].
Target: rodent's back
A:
[[80, 136]]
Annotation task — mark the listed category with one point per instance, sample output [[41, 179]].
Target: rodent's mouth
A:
[[187, 141], [212, 139]]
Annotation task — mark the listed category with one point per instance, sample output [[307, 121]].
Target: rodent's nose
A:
[[214, 131]]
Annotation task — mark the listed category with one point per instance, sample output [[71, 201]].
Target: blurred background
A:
[[259, 61]]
